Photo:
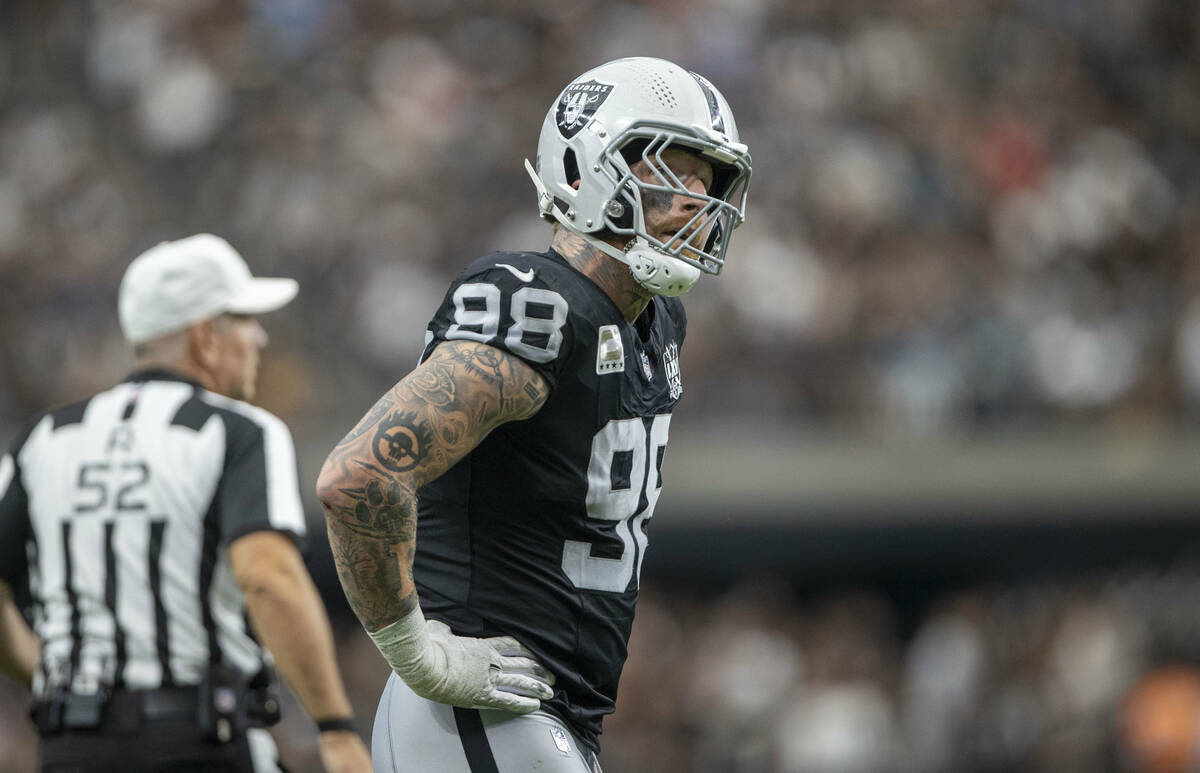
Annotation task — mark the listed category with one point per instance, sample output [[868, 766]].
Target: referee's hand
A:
[[342, 751]]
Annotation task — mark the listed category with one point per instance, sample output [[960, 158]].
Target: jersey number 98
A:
[[621, 445], [537, 317]]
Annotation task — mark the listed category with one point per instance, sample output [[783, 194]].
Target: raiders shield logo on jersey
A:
[[671, 367], [578, 104]]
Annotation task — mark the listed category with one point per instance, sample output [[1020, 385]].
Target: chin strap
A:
[[659, 273]]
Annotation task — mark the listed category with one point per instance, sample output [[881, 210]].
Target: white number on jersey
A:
[[622, 444], [477, 305], [487, 319]]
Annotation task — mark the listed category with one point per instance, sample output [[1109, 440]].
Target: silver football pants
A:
[[415, 735]]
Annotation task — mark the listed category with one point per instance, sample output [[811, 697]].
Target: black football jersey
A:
[[540, 532]]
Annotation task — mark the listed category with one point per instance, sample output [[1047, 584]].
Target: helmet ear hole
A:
[[623, 218], [570, 166]]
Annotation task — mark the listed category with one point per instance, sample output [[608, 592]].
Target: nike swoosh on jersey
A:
[[524, 276]]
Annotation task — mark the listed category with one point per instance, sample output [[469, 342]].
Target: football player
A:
[[489, 515]]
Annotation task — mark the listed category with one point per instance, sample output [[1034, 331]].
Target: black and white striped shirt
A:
[[118, 511]]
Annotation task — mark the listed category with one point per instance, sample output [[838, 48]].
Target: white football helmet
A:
[[629, 109]]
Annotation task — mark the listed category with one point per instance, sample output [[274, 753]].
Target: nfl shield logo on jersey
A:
[[671, 366], [646, 365]]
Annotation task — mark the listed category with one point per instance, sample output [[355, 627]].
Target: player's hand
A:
[[342, 751], [496, 673]]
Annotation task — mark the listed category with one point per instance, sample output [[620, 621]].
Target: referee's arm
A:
[[19, 648], [261, 516], [290, 620]]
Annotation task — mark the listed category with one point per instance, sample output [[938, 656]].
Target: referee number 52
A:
[[104, 486]]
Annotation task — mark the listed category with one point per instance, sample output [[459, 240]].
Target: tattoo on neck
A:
[[610, 274]]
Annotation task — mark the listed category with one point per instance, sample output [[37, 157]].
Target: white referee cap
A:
[[174, 284]]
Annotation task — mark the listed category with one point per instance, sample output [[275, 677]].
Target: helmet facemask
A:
[[637, 109], [704, 239]]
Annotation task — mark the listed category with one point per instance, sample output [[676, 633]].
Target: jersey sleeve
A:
[[14, 519], [259, 487], [511, 308]]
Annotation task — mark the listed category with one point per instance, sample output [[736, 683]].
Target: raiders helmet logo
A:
[[578, 104]]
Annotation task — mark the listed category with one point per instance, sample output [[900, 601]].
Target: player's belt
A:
[[118, 710], [174, 703]]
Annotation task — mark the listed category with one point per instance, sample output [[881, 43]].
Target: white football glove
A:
[[496, 673]]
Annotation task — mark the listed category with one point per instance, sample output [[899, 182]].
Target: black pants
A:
[[141, 732], [160, 746]]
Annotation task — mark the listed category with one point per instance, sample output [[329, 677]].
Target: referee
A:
[[152, 524]]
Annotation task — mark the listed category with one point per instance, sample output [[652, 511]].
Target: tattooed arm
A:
[[414, 433], [368, 487]]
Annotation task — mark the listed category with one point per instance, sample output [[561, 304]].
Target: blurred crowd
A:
[[1083, 675], [962, 213]]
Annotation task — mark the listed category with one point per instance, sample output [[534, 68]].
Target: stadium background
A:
[[931, 494]]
